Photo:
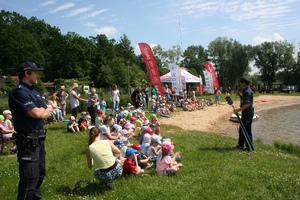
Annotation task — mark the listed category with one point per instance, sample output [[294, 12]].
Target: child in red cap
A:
[[99, 118], [143, 160]]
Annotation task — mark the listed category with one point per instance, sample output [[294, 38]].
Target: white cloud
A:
[[63, 7], [267, 38], [109, 31], [93, 14], [78, 11], [261, 10], [47, 3], [90, 24]]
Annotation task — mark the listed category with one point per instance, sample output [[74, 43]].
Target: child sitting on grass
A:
[[72, 125], [8, 126], [154, 148], [143, 160], [165, 164], [83, 123], [130, 166], [99, 118], [121, 146]]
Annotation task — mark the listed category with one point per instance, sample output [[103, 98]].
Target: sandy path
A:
[[216, 118]]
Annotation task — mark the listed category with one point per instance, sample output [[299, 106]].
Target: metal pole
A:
[[128, 80]]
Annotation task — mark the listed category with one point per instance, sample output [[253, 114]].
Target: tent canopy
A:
[[186, 77]]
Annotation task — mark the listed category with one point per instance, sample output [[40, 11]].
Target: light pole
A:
[[128, 80]]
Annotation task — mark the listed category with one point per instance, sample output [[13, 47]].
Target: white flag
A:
[[175, 77]]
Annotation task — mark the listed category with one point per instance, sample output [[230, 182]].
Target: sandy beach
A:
[[215, 119]]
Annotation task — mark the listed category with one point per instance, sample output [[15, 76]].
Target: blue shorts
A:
[[218, 98]]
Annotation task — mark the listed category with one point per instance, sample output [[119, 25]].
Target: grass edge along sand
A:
[[212, 170]]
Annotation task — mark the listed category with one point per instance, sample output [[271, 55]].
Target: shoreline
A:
[[215, 119]]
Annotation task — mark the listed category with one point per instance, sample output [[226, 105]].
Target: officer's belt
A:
[[35, 133]]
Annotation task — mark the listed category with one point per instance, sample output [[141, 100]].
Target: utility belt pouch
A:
[[33, 140], [36, 136], [42, 135]]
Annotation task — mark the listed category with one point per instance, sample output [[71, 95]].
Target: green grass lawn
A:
[[212, 170]]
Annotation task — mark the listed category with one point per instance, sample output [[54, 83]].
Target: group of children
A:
[[161, 106], [151, 151], [192, 105]]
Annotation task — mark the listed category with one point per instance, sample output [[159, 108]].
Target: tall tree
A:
[[17, 44], [165, 57], [230, 60], [272, 57], [193, 58]]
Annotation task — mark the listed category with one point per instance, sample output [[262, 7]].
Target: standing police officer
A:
[[246, 107], [29, 109]]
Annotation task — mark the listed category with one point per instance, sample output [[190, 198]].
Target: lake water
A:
[[281, 123]]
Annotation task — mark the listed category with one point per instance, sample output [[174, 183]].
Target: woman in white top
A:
[[74, 100], [115, 98], [105, 129], [102, 152]]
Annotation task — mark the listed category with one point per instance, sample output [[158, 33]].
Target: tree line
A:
[[103, 62]]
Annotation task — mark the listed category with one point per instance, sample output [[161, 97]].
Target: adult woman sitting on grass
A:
[[102, 151], [105, 129]]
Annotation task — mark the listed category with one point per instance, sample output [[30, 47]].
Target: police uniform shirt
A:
[[247, 98], [21, 99]]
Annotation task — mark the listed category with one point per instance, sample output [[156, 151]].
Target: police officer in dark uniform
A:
[[246, 107], [29, 109]]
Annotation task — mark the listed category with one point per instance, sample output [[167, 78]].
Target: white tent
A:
[[186, 77]]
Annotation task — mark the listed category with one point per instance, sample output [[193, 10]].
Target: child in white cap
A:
[[7, 124], [154, 148]]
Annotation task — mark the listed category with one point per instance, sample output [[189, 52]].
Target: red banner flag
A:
[[209, 67], [151, 66]]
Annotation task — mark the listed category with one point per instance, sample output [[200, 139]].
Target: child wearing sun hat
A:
[[165, 164], [154, 147], [7, 128], [143, 160], [99, 118], [154, 120], [72, 125], [130, 166]]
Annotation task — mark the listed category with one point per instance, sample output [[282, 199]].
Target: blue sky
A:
[[169, 22]]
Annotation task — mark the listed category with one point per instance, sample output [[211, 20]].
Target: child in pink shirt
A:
[[165, 164]]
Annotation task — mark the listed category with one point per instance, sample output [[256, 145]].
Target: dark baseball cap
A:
[[29, 66]]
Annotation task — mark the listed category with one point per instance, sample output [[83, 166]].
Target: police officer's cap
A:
[[28, 66]]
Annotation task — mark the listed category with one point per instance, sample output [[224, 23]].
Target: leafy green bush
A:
[[3, 104]]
